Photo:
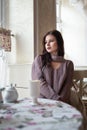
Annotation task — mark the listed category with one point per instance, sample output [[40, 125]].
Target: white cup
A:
[[34, 88]]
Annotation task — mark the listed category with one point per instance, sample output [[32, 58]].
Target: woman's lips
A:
[[48, 48]]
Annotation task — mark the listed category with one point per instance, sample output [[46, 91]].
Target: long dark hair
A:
[[46, 57]]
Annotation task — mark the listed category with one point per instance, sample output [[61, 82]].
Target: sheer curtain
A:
[[3, 68]]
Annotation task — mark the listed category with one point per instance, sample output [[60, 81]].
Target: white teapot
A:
[[10, 94]]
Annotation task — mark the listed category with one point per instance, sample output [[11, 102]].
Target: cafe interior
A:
[[22, 26]]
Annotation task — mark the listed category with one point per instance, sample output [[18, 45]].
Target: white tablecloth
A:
[[47, 115]]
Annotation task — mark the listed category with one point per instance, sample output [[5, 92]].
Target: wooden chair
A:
[[78, 77], [77, 92]]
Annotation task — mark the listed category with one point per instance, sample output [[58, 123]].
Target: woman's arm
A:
[[46, 91], [66, 88]]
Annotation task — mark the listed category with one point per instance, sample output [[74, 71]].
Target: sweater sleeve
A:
[[66, 89], [46, 91]]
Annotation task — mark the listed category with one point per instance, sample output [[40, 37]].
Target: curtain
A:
[[5, 39]]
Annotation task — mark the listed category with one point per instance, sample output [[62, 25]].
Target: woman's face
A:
[[51, 44]]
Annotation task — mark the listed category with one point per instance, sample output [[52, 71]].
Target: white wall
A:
[[20, 74]]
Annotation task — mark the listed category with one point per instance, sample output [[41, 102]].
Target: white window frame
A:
[[58, 15], [2, 13]]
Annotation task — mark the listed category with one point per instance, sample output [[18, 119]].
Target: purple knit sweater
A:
[[55, 83]]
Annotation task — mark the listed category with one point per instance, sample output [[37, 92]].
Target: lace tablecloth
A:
[[47, 115]]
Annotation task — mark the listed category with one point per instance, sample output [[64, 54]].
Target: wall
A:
[[45, 20], [20, 74]]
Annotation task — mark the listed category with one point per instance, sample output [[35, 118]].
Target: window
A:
[[72, 22], [2, 13]]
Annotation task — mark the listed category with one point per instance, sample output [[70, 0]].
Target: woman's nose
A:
[[48, 43]]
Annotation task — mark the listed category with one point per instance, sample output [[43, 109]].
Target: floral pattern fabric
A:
[[46, 115], [5, 39]]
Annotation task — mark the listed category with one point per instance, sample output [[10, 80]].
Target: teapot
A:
[[10, 94]]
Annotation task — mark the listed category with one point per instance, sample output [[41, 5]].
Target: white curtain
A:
[[3, 68]]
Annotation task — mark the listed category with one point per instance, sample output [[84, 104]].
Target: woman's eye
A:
[[51, 41]]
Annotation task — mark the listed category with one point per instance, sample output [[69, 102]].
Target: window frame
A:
[[58, 15], [2, 13]]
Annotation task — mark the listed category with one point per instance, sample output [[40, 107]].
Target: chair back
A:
[[78, 78], [77, 92]]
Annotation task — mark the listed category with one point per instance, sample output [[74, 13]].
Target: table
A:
[[47, 115]]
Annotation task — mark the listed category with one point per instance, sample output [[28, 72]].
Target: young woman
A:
[[54, 72]]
